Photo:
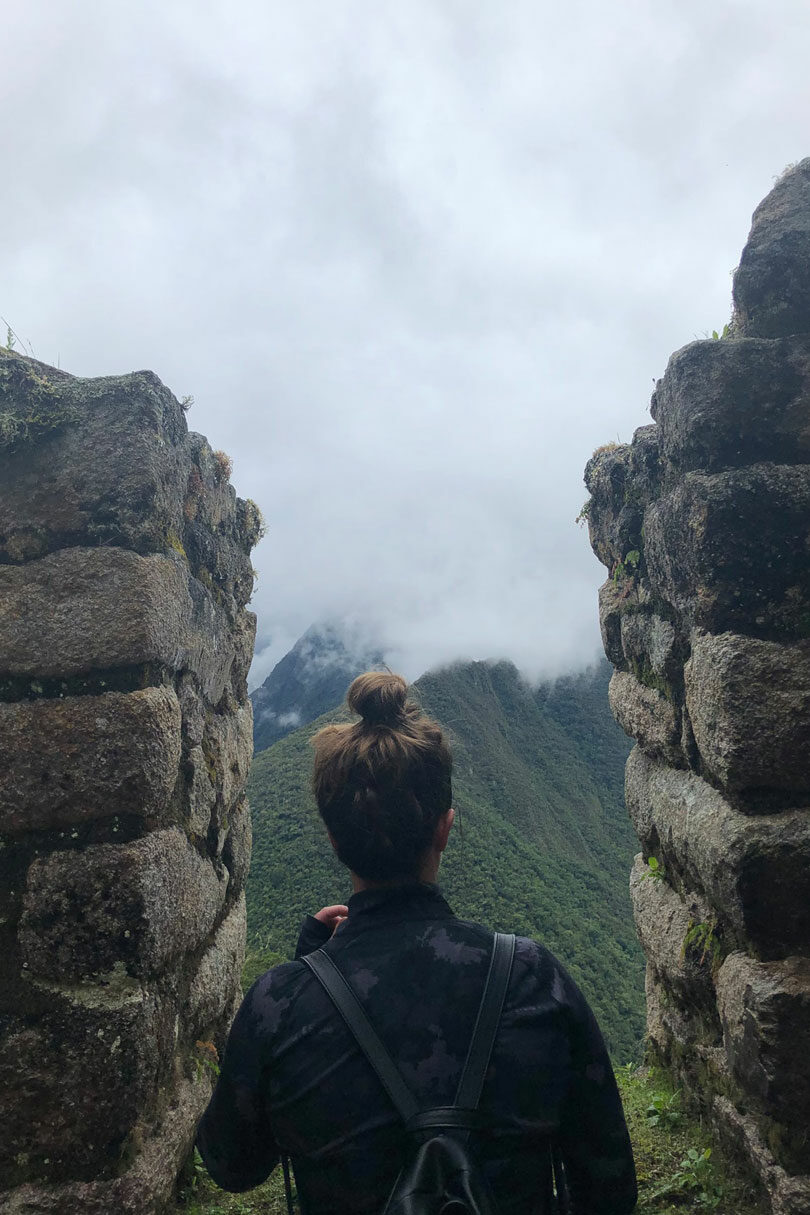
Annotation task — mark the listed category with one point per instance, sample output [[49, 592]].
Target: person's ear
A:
[[443, 828]]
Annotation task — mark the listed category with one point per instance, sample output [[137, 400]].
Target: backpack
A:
[[439, 1176]]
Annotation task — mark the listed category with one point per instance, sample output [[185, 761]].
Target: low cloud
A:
[[413, 263]]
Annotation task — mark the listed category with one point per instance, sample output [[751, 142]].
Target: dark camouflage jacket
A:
[[293, 1079]]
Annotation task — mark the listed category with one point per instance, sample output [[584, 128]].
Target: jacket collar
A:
[[414, 901]]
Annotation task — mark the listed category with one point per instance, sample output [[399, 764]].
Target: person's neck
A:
[[428, 874]]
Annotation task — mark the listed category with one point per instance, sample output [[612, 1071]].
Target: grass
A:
[[199, 1196], [679, 1171]]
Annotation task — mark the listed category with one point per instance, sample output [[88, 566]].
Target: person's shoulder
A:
[[537, 969], [530, 956], [272, 994]]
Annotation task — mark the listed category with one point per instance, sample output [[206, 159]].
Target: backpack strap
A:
[[486, 1025], [368, 1040], [478, 1055]]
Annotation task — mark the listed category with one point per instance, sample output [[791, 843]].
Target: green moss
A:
[[31, 407], [646, 675], [173, 541]]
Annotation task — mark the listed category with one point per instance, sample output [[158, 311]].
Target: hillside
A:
[[543, 847]]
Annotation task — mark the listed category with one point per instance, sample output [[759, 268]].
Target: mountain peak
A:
[[310, 680]]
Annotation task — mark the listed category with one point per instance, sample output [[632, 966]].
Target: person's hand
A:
[[332, 916]]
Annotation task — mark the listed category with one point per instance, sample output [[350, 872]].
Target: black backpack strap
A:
[[444, 1117], [368, 1040], [486, 1025]]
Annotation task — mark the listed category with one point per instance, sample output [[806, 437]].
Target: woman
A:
[[294, 1081]]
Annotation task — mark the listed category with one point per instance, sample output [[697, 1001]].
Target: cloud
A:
[[284, 720], [414, 263]]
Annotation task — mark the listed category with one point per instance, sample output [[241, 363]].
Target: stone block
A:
[[743, 1140], [146, 1188], [200, 793], [83, 757], [109, 461], [237, 846], [244, 639], [646, 715], [141, 904], [729, 550], [228, 748], [725, 404], [649, 645], [663, 922], [74, 1082], [113, 474], [754, 872], [792, 1196], [765, 1010], [772, 281], [83, 609], [219, 528], [612, 603], [622, 480], [216, 982], [751, 741], [192, 707]]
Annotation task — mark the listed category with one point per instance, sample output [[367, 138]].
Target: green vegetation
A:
[[199, 1196], [626, 568], [702, 944], [679, 1171], [31, 406], [655, 870], [543, 847], [223, 467]]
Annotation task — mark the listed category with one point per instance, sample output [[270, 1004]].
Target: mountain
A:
[[542, 847], [308, 681]]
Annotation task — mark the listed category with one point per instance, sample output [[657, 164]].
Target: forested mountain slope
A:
[[544, 845]]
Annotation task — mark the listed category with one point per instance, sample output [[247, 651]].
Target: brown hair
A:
[[383, 783]]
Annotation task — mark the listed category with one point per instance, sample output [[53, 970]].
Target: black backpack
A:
[[439, 1176]]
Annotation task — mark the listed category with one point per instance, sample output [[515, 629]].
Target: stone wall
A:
[[703, 522], [125, 742]]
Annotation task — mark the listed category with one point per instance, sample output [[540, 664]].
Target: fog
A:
[[414, 262]]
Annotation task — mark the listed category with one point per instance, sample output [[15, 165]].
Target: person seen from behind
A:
[[295, 1082]]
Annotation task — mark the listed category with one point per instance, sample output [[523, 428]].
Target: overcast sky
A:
[[414, 261]]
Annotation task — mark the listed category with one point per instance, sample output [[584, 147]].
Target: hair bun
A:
[[379, 697]]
